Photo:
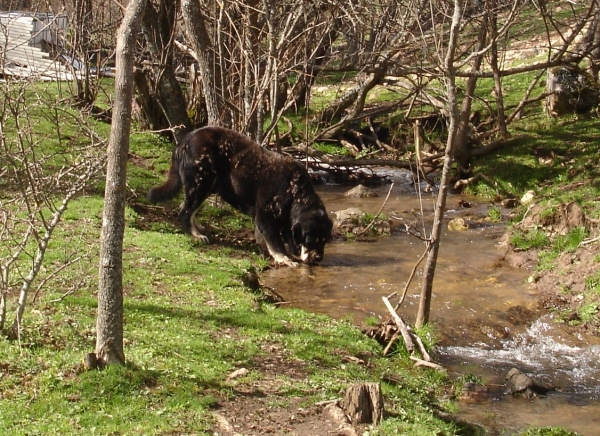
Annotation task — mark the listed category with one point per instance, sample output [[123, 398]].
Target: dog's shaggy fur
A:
[[273, 189]]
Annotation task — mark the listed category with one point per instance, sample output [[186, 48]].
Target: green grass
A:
[[189, 322], [516, 169], [334, 150], [548, 431], [495, 214], [526, 240]]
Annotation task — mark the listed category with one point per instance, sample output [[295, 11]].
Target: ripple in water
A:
[[542, 352]]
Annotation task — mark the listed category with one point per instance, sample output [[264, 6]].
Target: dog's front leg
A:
[[272, 239]]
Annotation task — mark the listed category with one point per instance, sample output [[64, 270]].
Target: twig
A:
[[419, 342], [525, 215], [326, 402], [421, 362], [51, 275], [63, 296], [167, 129], [386, 350], [410, 277], [589, 241], [366, 229]]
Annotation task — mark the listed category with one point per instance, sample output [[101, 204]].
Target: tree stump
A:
[[363, 403], [571, 90]]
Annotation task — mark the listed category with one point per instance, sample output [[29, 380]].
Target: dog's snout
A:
[[314, 257]]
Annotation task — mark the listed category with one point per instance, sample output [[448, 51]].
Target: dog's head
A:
[[311, 230]]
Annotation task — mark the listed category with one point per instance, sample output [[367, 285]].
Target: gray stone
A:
[[361, 191]]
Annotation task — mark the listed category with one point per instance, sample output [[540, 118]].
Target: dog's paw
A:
[[283, 260], [199, 236]]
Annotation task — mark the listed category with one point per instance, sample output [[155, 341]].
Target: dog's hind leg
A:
[[195, 229], [196, 191]]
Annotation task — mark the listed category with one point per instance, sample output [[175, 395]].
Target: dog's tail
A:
[[173, 184]]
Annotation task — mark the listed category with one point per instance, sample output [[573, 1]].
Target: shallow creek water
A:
[[484, 309]]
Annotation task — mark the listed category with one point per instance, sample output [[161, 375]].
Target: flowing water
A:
[[484, 309]]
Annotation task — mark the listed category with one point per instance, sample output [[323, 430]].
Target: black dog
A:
[[275, 190]]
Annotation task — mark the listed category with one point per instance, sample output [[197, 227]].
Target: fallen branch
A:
[[380, 144], [464, 182], [589, 241], [410, 346], [422, 349], [421, 362]]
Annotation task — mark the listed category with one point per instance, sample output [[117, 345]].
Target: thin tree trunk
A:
[[202, 47], [496, 70], [83, 16], [463, 149], [436, 232], [40, 252], [163, 88], [109, 326]]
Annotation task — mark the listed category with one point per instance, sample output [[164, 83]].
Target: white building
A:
[[21, 38]]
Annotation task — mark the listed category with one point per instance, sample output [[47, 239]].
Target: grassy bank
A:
[[554, 160], [189, 323], [192, 320]]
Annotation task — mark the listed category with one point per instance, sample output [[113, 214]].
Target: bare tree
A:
[[436, 232], [109, 326], [81, 43], [204, 50], [162, 99], [36, 186]]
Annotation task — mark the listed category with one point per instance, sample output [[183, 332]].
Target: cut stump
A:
[[363, 403]]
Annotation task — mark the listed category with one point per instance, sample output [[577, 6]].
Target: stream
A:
[[485, 312]]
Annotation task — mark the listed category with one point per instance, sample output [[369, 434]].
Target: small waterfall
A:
[[542, 351]]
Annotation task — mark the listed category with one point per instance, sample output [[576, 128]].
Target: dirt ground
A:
[[262, 407]]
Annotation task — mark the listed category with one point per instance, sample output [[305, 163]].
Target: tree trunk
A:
[[496, 70], [83, 15], [202, 46], [355, 96], [462, 146], [109, 326], [436, 232], [363, 403], [163, 100]]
